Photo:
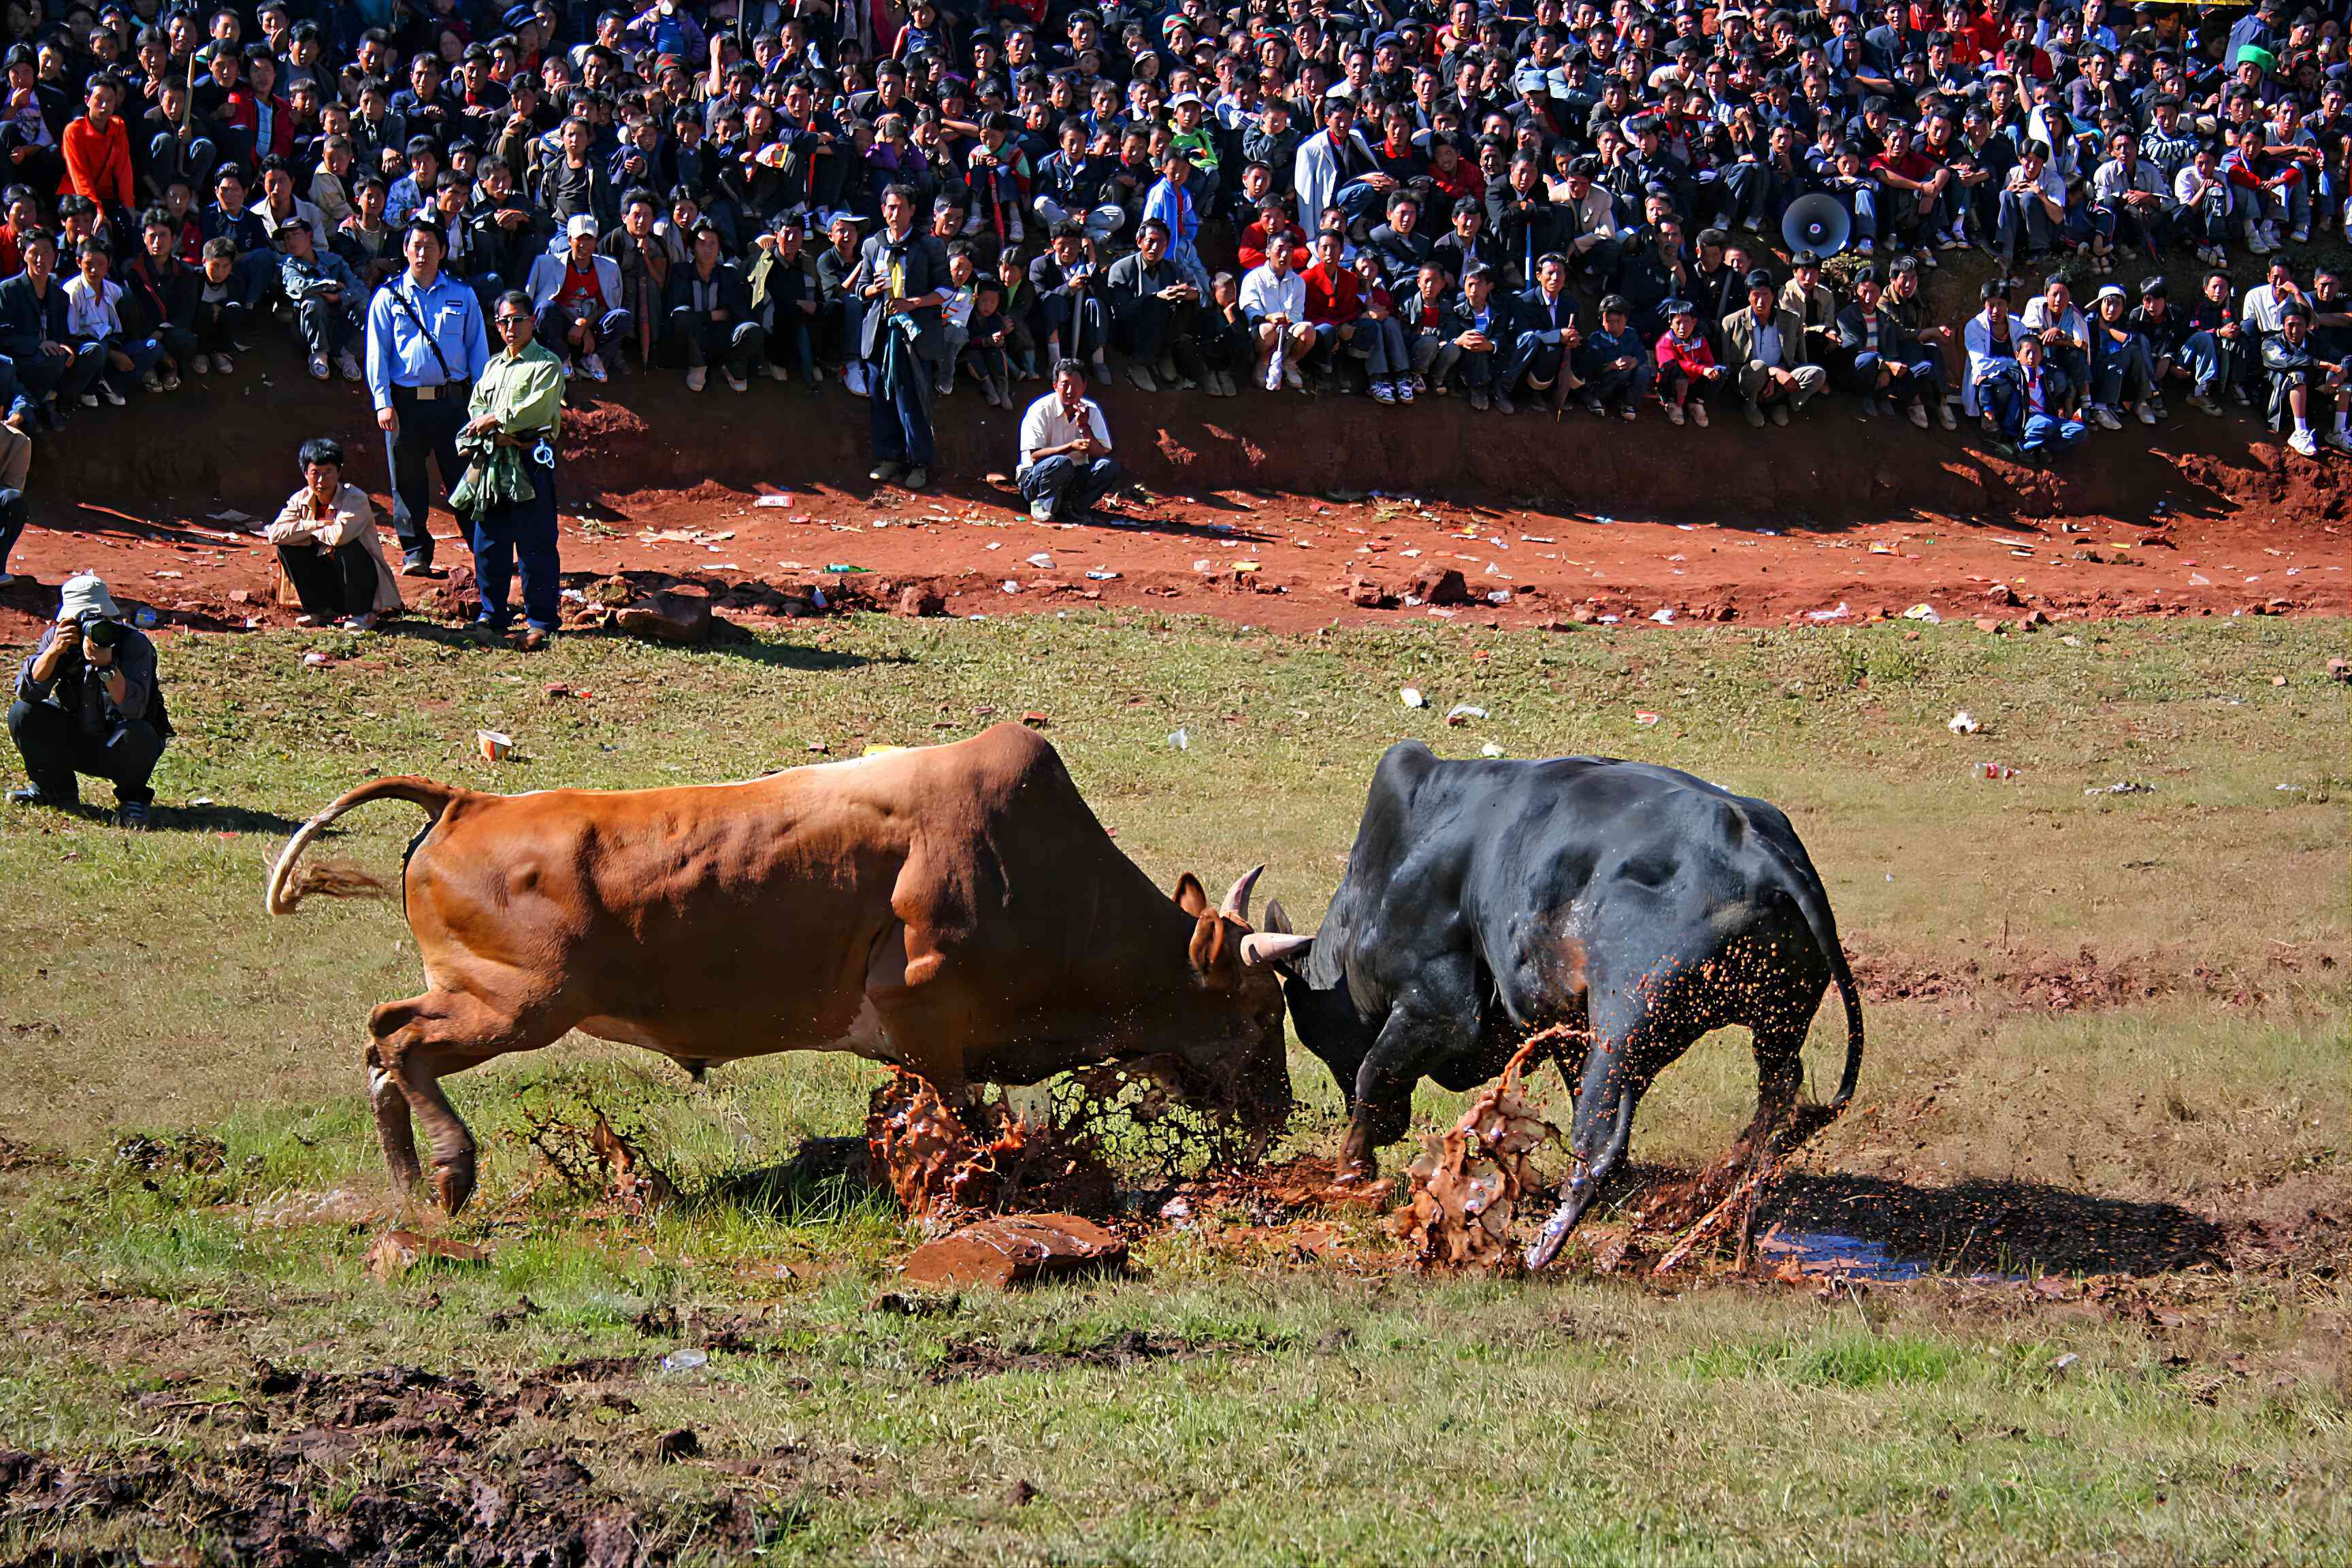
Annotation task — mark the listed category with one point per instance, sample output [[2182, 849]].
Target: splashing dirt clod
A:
[[1467, 1184]]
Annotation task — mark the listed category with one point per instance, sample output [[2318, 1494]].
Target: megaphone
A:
[[1817, 223]]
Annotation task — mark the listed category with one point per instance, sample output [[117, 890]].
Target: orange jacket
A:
[[98, 163]]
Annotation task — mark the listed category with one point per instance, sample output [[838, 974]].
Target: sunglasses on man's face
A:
[[514, 321]]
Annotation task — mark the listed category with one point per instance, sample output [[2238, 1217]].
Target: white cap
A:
[[582, 222]]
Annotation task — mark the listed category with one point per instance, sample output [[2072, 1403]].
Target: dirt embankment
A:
[[1283, 510]]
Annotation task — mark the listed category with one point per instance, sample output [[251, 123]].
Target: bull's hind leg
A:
[[393, 1128], [416, 1042], [1630, 1045]]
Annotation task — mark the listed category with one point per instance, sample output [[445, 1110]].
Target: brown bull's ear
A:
[[1215, 958], [1190, 897]]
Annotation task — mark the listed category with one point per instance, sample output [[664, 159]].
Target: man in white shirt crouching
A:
[[1065, 461]]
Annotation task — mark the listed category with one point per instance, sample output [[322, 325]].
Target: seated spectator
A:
[[2120, 365], [328, 548], [159, 297], [329, 313], [1065, 463], [1480, 337], [54, 370], [92, 317], [88, 702], [1273, 301], [1990, 339], [1687, 372], [2302, 386], [2029, 400], [1889, 368], [1334, 301], [1544, 355], [985, 331], [2051, 317], [218, 324], [710, 316], [1616, 366], [1153, 307], [1766, 346], [15, 465], [577, 293]]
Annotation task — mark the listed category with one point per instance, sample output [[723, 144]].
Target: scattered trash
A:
[[1043, 562], [1010, 586], [1035, 720], [1461, 710], [1663, 615], [2123, 786], [2290, 789], [1497, 595], [1490, 749], [843, 566], [687, 1360], [1599, 518], [493, 745], [1962, 723], [784, 499], [1838, 614], [230, 515], [1923, 613], [1994, 770], [2058, 1368], [315, 660], [1411, 698], [1180, 740], [146, 620], [1099, 575], [1645, 718]]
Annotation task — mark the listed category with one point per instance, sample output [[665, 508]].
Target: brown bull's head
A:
[[1240, 1055]]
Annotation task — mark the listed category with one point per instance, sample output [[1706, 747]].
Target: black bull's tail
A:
[[285, 890], [1812, 900]]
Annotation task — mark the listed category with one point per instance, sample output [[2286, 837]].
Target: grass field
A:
[[1260, 1399]]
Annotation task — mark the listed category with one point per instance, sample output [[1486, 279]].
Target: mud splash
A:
[[939, 1170], [1467, 1185]]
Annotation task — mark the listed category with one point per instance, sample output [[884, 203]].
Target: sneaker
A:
[[854, 378], [1479, 400], [223, 364], [2145, 413], [2303, 442], [737, 384], [2237, 395], [536, 638], [593, 367], [1383, 393], [1675, 415], [1503, 404], [151, 381], [1780, 413], [883, 473], [171, 381], [1927, 259], [1698, 413], [1952, 241], [413, 567], [2204, 404], [772, 370], [89, 400], [201, 365], [365, 623], [1041, 511], [915, 479], [132, 815], [1919, 415], [2106, 416], [2339, 439], [568, 370], [696, 379], [1140, 376], [1404, 391], [1755, 416], [1946, 417], [33, 795], [1291, 378], [1592, 407], [2301, 234], [1628, 414], [347, 365], [318, 370]]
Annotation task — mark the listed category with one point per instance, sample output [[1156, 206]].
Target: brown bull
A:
[[957, 910]]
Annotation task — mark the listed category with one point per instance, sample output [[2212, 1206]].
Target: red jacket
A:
[[1690, 358], [1334, 295], [98, 163]]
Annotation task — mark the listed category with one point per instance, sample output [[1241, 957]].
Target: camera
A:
[[101, 634]]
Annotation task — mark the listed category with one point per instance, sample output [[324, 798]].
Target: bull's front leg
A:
[[1382, 1100]]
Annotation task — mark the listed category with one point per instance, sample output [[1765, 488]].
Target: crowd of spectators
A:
[[1540, 202]]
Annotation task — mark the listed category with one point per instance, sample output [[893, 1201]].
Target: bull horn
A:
[[1237, 901], [1273, 947], [1276, 918]]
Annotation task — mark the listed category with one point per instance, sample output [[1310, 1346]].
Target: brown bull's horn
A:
[[1273, 947], [1275, 919], [1237, 901]]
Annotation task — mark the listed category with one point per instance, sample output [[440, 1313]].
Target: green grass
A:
[[1311, 1415]]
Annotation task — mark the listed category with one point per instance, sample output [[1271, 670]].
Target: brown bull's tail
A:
[[285, 890]]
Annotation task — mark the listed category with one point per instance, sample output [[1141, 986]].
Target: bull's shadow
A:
[[2001, 1227]]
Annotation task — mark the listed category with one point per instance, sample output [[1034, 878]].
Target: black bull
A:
[[1638, 905]]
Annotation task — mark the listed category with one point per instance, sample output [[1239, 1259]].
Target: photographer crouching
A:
[[87, 702]]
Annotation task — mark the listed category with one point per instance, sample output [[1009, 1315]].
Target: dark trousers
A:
[[735, 344], [55, 749], [1153, 327], [526, 534], [610, 327], [45, 374], [1071, 485], [331, 584], [12, 522], [427, 430], [899, 406], [218, 325], [1080, 321], [326, 326]]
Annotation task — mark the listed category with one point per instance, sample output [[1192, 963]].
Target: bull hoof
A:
[[453, 1183], [1354, 1175]]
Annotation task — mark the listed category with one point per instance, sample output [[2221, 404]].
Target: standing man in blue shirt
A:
[[425, 347]]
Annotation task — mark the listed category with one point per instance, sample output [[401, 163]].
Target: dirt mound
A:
[[450, 1493], [2046, 981]]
